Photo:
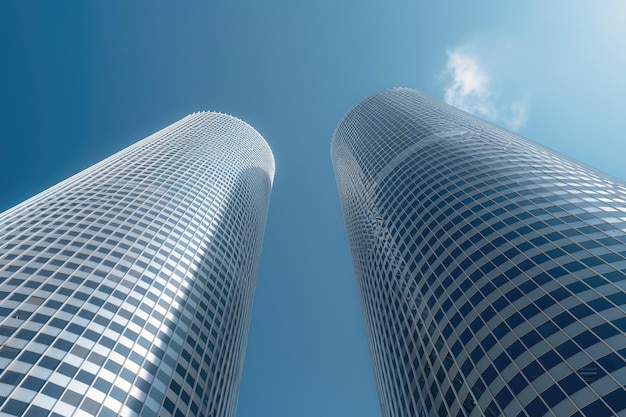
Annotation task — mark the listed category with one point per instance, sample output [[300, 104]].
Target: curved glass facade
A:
[[491, 270], [127, 289]]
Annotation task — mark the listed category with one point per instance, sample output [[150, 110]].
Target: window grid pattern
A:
[[491, 270], [127, 289]]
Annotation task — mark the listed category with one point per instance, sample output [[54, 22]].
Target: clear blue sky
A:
[[81, 80]]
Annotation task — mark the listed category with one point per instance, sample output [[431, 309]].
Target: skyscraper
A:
[[127, 289], [490, 269]]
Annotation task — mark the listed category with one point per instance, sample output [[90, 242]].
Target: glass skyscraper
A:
[[127, 289], [490, 269]]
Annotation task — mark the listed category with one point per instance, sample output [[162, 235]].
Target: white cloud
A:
[[468, 90], [471, 87], [518, 115]]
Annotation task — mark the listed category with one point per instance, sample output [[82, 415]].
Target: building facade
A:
[[490, 269], [127, 289]]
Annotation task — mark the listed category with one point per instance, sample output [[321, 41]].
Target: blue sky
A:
[[81, 80]]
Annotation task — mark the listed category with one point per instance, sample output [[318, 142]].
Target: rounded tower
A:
[[127, 289], [490, 269]]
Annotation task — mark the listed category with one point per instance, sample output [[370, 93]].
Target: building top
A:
[[233, 142]]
